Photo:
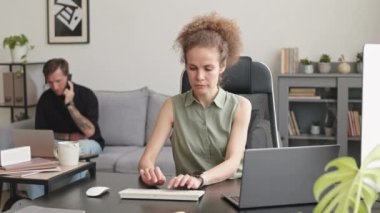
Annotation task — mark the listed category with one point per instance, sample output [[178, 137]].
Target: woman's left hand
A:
[[185, 181]]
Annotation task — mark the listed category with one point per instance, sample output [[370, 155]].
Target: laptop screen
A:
[[282, 176]]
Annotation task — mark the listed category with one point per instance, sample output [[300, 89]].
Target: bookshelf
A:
[[320, 96], [16, 94]]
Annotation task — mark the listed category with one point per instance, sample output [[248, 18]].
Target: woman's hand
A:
[[152, 176], [185, 181]]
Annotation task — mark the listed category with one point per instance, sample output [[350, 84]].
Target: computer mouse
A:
[[96, 191]]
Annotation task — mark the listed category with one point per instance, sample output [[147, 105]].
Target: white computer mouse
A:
[[96, 191]]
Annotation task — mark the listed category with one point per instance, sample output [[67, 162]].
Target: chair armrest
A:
[[24, 124]]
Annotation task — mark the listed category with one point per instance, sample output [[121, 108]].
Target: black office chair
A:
[[252, 80]]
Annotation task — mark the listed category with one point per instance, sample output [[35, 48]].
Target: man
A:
[[71, 111]]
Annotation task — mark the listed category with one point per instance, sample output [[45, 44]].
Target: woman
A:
[[208, 125]]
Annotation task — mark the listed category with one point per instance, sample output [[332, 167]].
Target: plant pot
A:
[[328, 131], [18, 54], [344, 68], [308, 69], [359, 67], [324, 67], [315, 130]]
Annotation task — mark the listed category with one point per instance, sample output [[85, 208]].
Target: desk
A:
[[74, 197], [46, 179]]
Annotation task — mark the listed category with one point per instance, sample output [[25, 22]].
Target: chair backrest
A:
[[252, 80]]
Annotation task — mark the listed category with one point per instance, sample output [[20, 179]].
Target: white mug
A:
[[67, 152]]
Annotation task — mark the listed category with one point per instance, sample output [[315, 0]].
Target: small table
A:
[[45, 179]]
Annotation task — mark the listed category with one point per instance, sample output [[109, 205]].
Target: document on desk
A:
[[161, 194], [40, 209]]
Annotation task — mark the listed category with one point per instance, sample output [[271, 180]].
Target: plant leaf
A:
[[344, 188]]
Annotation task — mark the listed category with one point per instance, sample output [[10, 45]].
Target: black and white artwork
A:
[[68, 21]]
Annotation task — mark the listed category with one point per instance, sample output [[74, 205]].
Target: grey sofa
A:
[[126, 120]]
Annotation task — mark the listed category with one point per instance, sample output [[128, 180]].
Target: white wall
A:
[[131, 41]]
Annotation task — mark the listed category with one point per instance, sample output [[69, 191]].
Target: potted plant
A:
[[359, 62], [315, 128], [347, 188], [307, 66], [19, 47], [343, 66], [324, 64], [329, 122]]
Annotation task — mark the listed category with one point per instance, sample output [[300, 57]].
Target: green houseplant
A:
[[19, 47], [325, 58], [324, 64], [359, 62], [345, 187], [307, 66]]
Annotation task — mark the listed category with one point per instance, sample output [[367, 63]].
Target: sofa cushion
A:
[[129, 162], [122, 116], [155, 103], [108, 158]]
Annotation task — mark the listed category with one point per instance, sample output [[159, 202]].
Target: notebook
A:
[[161, 194], [41, 142], [40, 209], [281, 176]]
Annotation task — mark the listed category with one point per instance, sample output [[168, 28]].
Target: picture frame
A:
[[68, 22]]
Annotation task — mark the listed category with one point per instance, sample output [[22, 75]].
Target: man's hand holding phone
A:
[[69, 93]]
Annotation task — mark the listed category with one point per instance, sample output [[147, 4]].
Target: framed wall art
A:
[[68, 21]]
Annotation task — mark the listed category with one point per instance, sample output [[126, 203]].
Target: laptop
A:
[[281, 176], [41, 142]]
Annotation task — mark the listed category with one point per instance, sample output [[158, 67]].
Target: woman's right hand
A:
[[152, 176]]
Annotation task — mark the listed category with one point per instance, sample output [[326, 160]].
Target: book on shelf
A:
[[297, 130], [291, 127], [357, 122], [289, 60], [317, 97], [302, 90], [354, 123], [8, 88]]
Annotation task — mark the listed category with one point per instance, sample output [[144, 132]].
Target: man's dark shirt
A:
[[52, 113]]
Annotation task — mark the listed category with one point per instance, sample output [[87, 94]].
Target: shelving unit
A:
[[25, 106], [337, 93]]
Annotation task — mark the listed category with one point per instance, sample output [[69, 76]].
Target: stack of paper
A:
[[35, 165]]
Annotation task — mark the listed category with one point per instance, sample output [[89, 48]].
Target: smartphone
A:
[[68, 79]]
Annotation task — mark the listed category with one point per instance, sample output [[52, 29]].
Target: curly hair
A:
[[212, 31]]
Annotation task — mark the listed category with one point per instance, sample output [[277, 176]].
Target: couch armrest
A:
[[5, 136], [6, 132], [24, 124]]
